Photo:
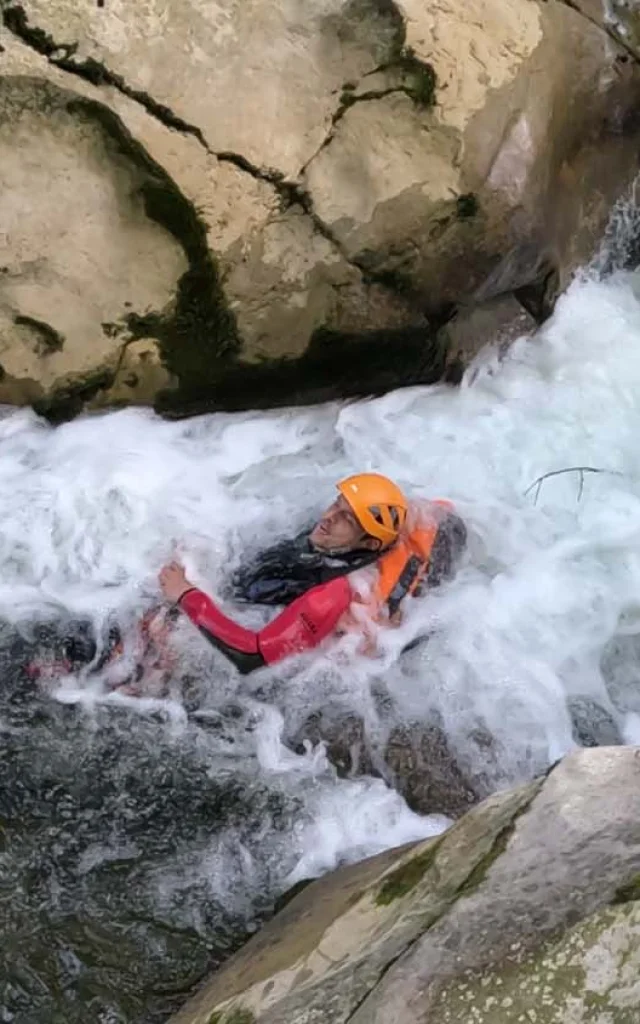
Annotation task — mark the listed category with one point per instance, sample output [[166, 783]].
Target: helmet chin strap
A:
[[345, 550]]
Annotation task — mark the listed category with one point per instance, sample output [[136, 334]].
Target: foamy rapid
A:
[[545, 609], [90, 511]]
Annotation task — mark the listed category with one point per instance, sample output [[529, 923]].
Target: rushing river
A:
[[140, 841]]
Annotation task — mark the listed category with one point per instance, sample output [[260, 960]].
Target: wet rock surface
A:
[[531, 898], [593, 725], [422, 766], [416, 758]]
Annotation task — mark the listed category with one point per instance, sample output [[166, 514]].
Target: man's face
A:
[[338, 530]]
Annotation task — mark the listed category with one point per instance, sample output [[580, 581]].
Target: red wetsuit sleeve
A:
[[306, 622], [207, 617], [302, 625]]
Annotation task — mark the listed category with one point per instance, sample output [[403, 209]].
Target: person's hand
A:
[[173, 581]]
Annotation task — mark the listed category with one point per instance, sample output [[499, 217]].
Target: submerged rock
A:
[[344, 734], [416, 759], [528, 905], [593, 725], [620, 666], [424, 769], [171, 240]]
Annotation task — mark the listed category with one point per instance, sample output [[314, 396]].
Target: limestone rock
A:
[[259, 186], [529, 901], [479, 188], [497, 322], [76, 250]]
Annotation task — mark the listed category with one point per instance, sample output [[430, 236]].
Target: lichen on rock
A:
[[525, 910]]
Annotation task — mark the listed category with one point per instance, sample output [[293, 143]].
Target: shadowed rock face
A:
[[285, 201], [620, 18], [528, 902]]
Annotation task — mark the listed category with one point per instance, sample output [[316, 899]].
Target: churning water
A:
[[139, 841]]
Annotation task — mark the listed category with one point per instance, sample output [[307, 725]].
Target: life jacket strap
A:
[[409, 578]]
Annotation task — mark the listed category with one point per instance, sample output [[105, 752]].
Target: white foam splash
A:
[[91, 510]]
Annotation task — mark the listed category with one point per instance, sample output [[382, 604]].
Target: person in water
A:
[[370, 551]]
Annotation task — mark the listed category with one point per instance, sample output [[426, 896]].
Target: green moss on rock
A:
[[406, 877], [420, 77], [479, 873], [234, 1016], [69, 400]]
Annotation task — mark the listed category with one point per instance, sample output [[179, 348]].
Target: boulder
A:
[[424, 769], [527, 909], [285, 200], [588, 976], [344, 734], [415, 758]]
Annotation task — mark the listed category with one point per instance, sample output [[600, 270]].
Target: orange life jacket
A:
[[401, 570]]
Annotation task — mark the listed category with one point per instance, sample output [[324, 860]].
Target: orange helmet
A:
[[379, 506]]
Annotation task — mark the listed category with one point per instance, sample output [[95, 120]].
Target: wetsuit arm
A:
[[304, 624]]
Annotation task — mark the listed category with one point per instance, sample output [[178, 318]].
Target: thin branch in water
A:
[[538, 482]]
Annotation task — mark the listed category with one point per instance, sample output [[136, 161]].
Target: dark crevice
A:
[[289, 192], [49, 340], [292, 194], [63, 56], [347, 101], [387, 967], [539, 297], [334, 363], [419, 84]]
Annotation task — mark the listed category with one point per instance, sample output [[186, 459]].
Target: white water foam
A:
[[90, 511]]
